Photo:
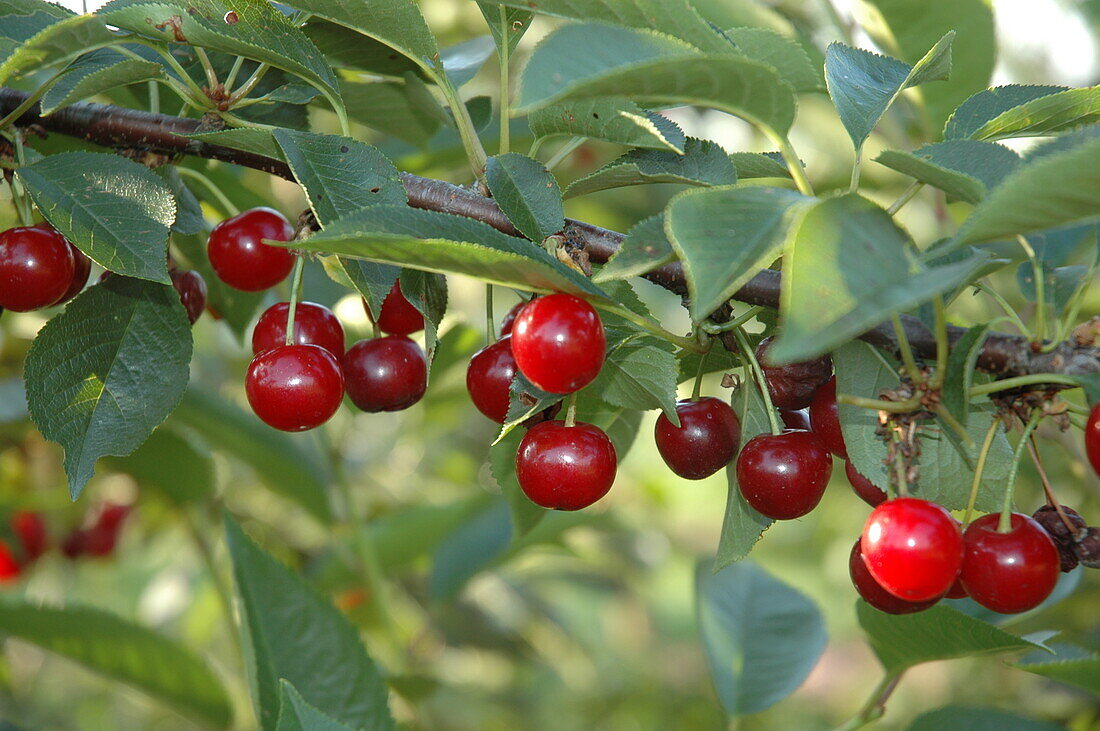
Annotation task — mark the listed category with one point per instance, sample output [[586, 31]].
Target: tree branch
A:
[[1003, 355]]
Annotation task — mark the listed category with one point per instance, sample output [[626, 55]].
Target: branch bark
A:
[[1002, 355]]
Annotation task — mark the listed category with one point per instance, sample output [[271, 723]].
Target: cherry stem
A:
[[225, 594], [223, 200], [232, 77], [1005, 524], [1009, 310], [876, 704], [905, 197], [715, 328], [893, 407], [906, 352], [948, 418], [295, 293], [651, 327], [563, 152], [571, 410], [758, 375], [902, 486], [941, 342], [1035, 379], [503, 51], [980, 468], [1033, 450], [490, 321], [700, 372], [1040, 296]]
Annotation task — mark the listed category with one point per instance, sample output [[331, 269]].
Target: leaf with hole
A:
[[507, 24]]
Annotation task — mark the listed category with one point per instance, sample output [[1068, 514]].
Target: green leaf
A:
[[413, 531], [863, 85], [645, 248], [24, 19], [95, 73], [237, 308], [107, 371], [427, 292], [283, 462], [759, 165], [525, 515], [726, 235], [470, 548], [114, 210], [988, 104], [189, 216], [295, 714], [862, 371], [510, 23], [640, 374], [1083, 672], [386, 107], [1045, 115], [372, 280], [124, 651], [527, 194], [13, 400], [172, 463], [960, 372], [463, 60], [947, 465], [962, 718], [257, 141], [524, 401], [292, 633], [742, 526], [762, 637], [783, 54], [702, 162], [939, 633], [444, 243], [906, 30], [613, 119], [964, 169], [620, 424], [348, 49], [339, 175], [652, 69], [847, 268], [56, 43]]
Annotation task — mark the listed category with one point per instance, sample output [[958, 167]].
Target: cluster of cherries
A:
[[27, 539]]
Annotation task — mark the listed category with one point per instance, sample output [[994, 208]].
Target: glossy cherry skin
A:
[[705, 442], [385, 374], [239, 256], [873, 593], [31, 532], [314, 324], [9, 567], [82, 265], [36, 268], [957, 590], [825, 419], [783, 476], [559, 343], [1009, 572], [1092, 438], [295, 387], [510, 318], [795, 418], [868, 491], [792, 386], [398, 316], [192, 290], [565, 467], [489, 378], [101, 538], [913, 548]]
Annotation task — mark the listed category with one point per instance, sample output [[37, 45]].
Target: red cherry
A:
[[783, 476], [385, 374], [792, 386], [558, 341], [1009, 572], [31, 531], [489, 378], [565, 467], [825, 418], [36, 268], [1092, 438], [705, 442], [873, 593], [957, 590], [101, 538], [9, 567], [913, 548], [294, 387], [314, 324], [82, 265], [795, 418], [398, 316], [239, 256], [868, 491], [192, 290], [510, 318]]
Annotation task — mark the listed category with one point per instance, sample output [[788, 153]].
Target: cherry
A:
[[913, 548], [868, 491], [795, 418], [1065, 540], [192, 290], [9, 567], [792, 386], [1092, 438], [873, 593], [705, 442], [783, 476], [558, 342], [510, 318], [385, 374], [36, 268], [101, 538], [565, 467], [398, 316], [294, 387], [239, 256], [825, 418], [314, 324], [957, 590], [1009, 572], [82, 265], [489, 378], [31, 531]]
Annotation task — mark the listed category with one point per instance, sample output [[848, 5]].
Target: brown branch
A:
[[1003, 355]]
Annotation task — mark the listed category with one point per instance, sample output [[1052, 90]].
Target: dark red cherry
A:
[[9, 567], [783, 476], [295, 387], [1009, 572], [102, 537], [29, 528], [873, 593], [1092, 437], [913, 548], [792, 386], [957, 590], [385, 374], [239, 256], [868, 491], [398, 316], [565, 467], [314, 324], [510, 318], [558, 342], [705, 442], [1065, 538], [489, 378], [192, 290], [36, 268], [825, 418], [82, 265], [795, 418]]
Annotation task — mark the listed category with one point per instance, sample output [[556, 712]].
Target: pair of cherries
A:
[[300, 386], [39, 268]]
